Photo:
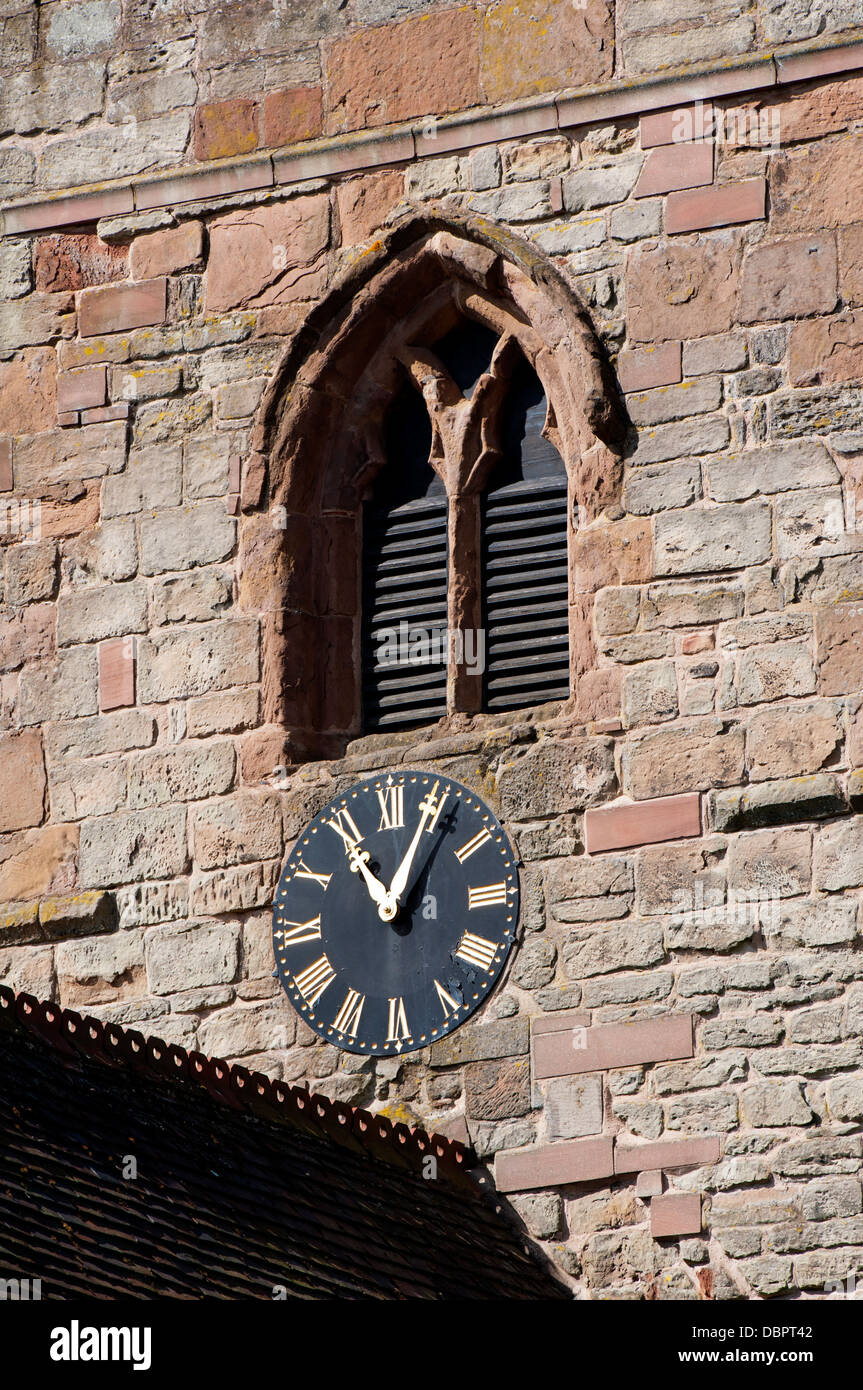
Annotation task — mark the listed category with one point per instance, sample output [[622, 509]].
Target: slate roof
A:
[[243, 1184]]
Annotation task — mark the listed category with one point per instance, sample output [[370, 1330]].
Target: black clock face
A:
[[395, 913]]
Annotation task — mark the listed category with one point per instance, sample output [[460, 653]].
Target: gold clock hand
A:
[[359, 864], [428, 807]]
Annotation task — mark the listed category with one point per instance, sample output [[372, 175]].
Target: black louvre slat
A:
[[525, 594]]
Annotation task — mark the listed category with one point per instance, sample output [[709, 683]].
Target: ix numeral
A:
[[347, 1020], [481, 838], [477, 950], [302, 931], [392, 804], [315, 979], [492, 895]]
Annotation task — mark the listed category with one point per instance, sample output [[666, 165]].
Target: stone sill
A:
[[418, 139]]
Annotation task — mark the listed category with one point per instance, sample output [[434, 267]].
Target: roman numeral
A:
[[398, 1025], [448, 1004], [347, 1020], [481, 838], [433, 804], [315, 979], [477, 950], [392, 804], [302, 931], [348, 831], [303, 871], [492, 895]]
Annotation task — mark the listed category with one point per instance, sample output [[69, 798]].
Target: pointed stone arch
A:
[[317, 442]]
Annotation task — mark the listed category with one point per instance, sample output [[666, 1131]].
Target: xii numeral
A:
[[492, 895], [392, 804]]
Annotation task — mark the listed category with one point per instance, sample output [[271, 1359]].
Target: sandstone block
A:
[[93, 614], [268, 255], [556, 777], [196, 534], [788, 279], [246, 828], [184, 774], [65, 689], [135, 845], [692, 756], [715, 538], [101, 970], [191, 955], [681, 291], [791, 740], [152, 480]]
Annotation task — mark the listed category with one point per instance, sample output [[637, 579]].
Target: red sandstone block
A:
[[233, 504], [552, 1165], [555, 193], [716, 207], [675, 166], [67, 418], [117, 673], [642, 823], [234, 473], [668, 1153], [683, 123], [561, 1022], [322, 159], [224, 128], [5, 465], [293, 115], [675, 1214], [120, 411], [83, 389], [698, 642], [612, 1045], [642, 368], [116, 308]]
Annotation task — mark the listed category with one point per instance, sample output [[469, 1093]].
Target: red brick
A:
[[5, 465], [67, 418], [666, 1153], [24, 770], [68, 261], [716, 207], [553, 1165], [234, 462], [117, 673], [225, 128], [642, 368], [675, 166], [161, 253], [613, 1045], [83, 389], [116, 308], [675, 1214], [680, 124], [291, 116], [647, 823]]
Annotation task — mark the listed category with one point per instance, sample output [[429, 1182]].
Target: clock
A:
[[395, 913]]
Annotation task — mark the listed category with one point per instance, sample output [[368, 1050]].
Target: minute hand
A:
[[402, 873]]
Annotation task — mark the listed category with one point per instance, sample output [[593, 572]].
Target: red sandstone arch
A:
[[317, 446]]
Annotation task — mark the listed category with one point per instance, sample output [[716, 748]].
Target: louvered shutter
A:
[[404, 582], [524, 559]]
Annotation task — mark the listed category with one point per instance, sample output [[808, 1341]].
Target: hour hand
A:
[[359, 860]]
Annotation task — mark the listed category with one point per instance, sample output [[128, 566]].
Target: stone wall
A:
[[668, 1082]]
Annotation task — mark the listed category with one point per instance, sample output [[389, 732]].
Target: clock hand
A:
[[359, 864], [428, 807]]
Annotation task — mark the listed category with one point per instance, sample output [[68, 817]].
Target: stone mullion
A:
[[464, 599]]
